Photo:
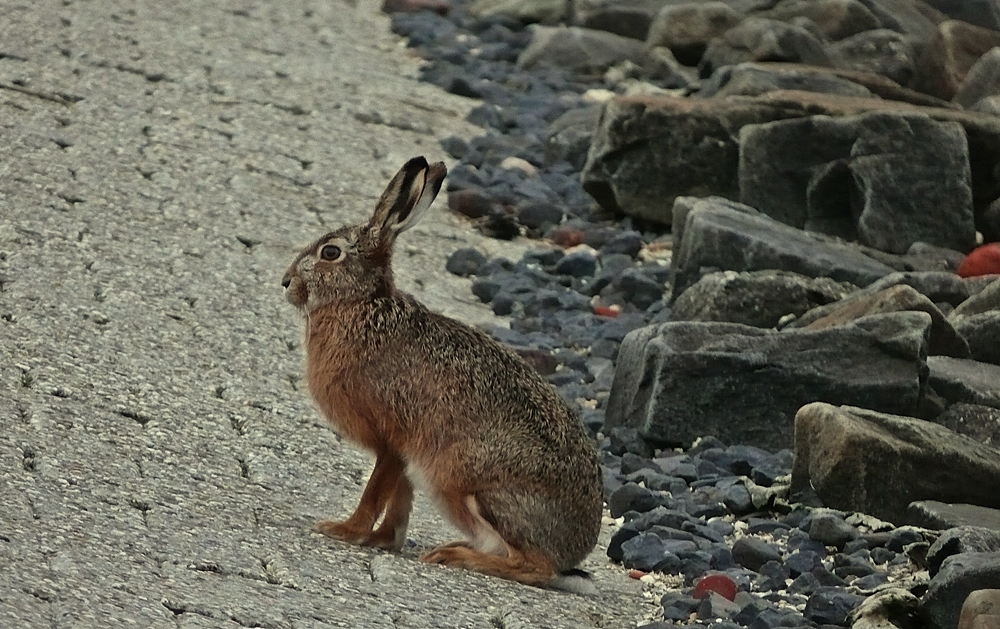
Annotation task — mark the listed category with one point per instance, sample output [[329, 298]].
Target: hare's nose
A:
[[286, 280]]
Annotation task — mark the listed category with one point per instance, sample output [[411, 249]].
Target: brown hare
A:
[[442, 406]]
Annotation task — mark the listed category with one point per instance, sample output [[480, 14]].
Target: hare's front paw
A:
[[344, 531], [386, 538]]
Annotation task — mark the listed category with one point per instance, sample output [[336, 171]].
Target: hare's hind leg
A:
[[382, 486], [488, 552]]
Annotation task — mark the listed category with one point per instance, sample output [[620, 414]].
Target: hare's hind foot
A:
[[528, 567]]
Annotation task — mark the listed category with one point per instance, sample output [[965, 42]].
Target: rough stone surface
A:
[[980, 603], [162, 465], [835, 19], [883, 51], [944, 340], [980, 422], [752, 79], [982, 331], [982, 80], [960, 575], [686, 29], [985, 300], [578, 49], [950, 55], [758, 298], [682, 380], [854, 173], [936, 515], [968, 381], [639, 161], [720, 236], [761, 39], [861, 460]]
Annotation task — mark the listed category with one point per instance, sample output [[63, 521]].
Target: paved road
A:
[[160, 463]]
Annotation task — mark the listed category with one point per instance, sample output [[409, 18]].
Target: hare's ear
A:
[[407, 197]]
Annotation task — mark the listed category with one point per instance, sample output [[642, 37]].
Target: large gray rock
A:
[[857, 459], [883, 51], [982, 301], [966, 381], [931, 514], [686, 29], [978, 421], [944, 340], [835, 19], [894, 165], [716, 236], [628, 18], [960, 576], [757, 298], [985, 13], [982, 80], [752, 79], [889, 180], [679, 381], [909, 17], [578, 49], [648, 151], [938, 286], [960, 540], [982, 331], [569, 135], [950, 55], [526, 11], [761, 39]]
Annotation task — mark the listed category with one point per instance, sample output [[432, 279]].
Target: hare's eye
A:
[[330, 252]]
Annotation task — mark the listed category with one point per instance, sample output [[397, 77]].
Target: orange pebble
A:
[[608, 311], [718, 583], [636, 574]]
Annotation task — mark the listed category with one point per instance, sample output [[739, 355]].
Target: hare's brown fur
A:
[[444, 405]]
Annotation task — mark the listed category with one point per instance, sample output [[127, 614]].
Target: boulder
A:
[[950, 55], [961, 540], [686, 29], [985, 13], [647, 151], [882, 51], [960, 576], [678, 381], [985, 300], [628, 18], [577, 49], [861, 460], [717, 236], [761, 39], [967, 381], [944, 340], [876, 177], [981, 610], [982, 331], [569, 135], [931, 514], [835, 19], [982, 80], [938, 286], [524, 11], [757, 298], [752, 79], [978, 421], [888, 608], [910, 17]]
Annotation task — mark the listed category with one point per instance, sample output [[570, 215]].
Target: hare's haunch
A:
[[442, 406]]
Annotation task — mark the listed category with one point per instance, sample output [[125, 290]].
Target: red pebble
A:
[[636, 574], [718, 583], [983, 260], [607, 311], [566, 236]]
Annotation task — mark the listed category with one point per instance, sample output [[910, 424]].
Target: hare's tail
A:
[[575, 581]]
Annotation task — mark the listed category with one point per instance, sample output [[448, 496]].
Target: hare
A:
[[443, 407]]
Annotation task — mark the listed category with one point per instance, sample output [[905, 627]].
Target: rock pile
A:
[[755, 212]]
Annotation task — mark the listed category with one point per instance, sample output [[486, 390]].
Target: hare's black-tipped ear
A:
[[407, 197]]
